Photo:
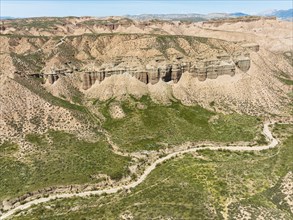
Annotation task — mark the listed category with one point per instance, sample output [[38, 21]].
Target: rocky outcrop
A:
[[51, 78], [243, 63], [154, 75], [201, 73], [142, 76], [210, 69], [54, 75], [90, 77], [87, 81], [158, 70], [251, 46], [176, 72]]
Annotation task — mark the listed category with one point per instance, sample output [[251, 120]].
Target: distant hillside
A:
[[6, 18], [281, 14], [193, 16], [284, 14], [238, 14], [184, 17]]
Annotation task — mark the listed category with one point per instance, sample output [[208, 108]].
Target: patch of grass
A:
[[37, 139], [106, 22], [289, 57], [147, 129], [67, 160], [284, 78], [286, 81], [7, 148], [32, 62], [194, 188], [34, 86], [192, 39], [166, 42], [26, 36], [272, 198], [48, 24]]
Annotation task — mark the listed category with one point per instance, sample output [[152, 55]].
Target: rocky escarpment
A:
[[152, 73], [207, 69], [243, 63], [149, 58], [166, 71]]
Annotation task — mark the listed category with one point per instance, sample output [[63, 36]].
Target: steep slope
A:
[[257, 88], [27, 108]]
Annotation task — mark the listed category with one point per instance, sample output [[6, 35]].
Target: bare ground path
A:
[[273, 142]]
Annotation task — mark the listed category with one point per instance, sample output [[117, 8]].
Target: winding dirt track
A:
[[273, 143]]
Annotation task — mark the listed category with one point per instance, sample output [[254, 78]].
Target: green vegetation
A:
[[194, 188], [7, 149], [151, 127], [192, 19], [168, 41], [33, 86], [33, 60], [13, 36], [289, 57], [192, 39], [286, 81], [280, 164], [165, 41], [44, 24], [64, 160], [284, 78], [106, 22]]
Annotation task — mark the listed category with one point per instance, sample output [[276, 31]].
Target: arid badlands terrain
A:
[[88, 104]]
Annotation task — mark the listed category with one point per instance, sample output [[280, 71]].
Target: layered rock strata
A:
[[152, 73], [51, 78], [243, 63], [209, 69]]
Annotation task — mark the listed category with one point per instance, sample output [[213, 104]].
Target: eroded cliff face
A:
[[243, 63], [168, 71], [149, 58], [165, 71], [145, 56]]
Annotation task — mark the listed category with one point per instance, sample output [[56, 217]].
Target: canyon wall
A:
[[209, 69]]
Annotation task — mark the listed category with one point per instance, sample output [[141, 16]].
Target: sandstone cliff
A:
[[96, 57]]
